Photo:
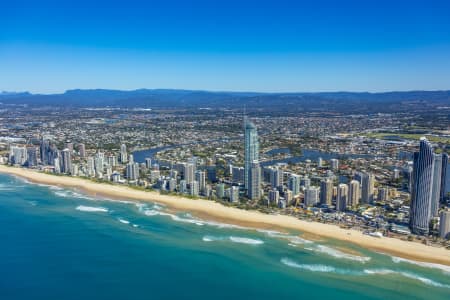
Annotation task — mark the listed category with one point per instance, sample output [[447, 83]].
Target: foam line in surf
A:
[[443, 268], [91, 208], [339, 254]]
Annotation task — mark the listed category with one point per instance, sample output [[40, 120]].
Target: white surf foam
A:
[[91, 208], [123, 221], [153, 212], [293, 239], [311, 267], [211, 238], [242, 240], [339, 254], [409, 275], [71, 194], [187, 218], [158, 206], [445, 269], [424, 280], [378, 271], [234, 239]]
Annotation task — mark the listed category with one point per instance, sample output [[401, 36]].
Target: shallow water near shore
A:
[[60, 244]]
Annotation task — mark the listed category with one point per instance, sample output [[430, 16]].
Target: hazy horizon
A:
[[217, 91]]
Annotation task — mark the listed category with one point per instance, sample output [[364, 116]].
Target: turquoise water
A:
[[59, 244]]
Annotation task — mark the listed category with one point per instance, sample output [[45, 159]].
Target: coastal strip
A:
[[215, 211]]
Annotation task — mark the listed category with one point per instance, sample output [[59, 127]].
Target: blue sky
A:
[[272, 46]]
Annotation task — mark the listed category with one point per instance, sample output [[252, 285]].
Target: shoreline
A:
[[216, 211]]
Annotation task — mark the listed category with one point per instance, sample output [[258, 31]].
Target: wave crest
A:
[[443, 268], [339, 254], [91, 208]]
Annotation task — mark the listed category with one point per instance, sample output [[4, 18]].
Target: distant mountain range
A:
[[167, 98]]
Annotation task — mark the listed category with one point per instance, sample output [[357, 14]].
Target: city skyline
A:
[[176, 149]]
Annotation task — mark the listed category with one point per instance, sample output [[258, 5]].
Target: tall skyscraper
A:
[[251, 151], [312, 196], [276, 177], [342, 197], [18, 155], [52, 155], [148, 163], [66, 161], [57, 164], [123, 154], [234, 194], [420, 211], [368, 182], [44, 150], [132, 171], [326, 191], [354, 193], [200, 177], [436, 184], [188, 172], [90, 166], [294, 184], [254, 181], [31, 156], [443, 177], [194, 188], [99, 163], [274, 196]]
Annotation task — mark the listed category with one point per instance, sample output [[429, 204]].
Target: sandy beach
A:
[[216, 211]]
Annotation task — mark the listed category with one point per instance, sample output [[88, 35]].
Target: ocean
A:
[[57, 243]]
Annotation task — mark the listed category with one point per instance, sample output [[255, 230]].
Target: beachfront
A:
[[213, 210]]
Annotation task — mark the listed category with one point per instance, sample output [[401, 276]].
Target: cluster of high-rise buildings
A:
[[273, 184], [47, 155]]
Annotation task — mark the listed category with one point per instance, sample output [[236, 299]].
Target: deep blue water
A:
[[60, 244]]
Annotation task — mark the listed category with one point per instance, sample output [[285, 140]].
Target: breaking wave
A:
[[91, 208], [234, 239], [407, 275], [153, 212], [339, 254], [210, 238], [366, 272], [243, 240], [443, 268], [314, 267], [70, 194], [123, 221], [293, 239], [186, 218]]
